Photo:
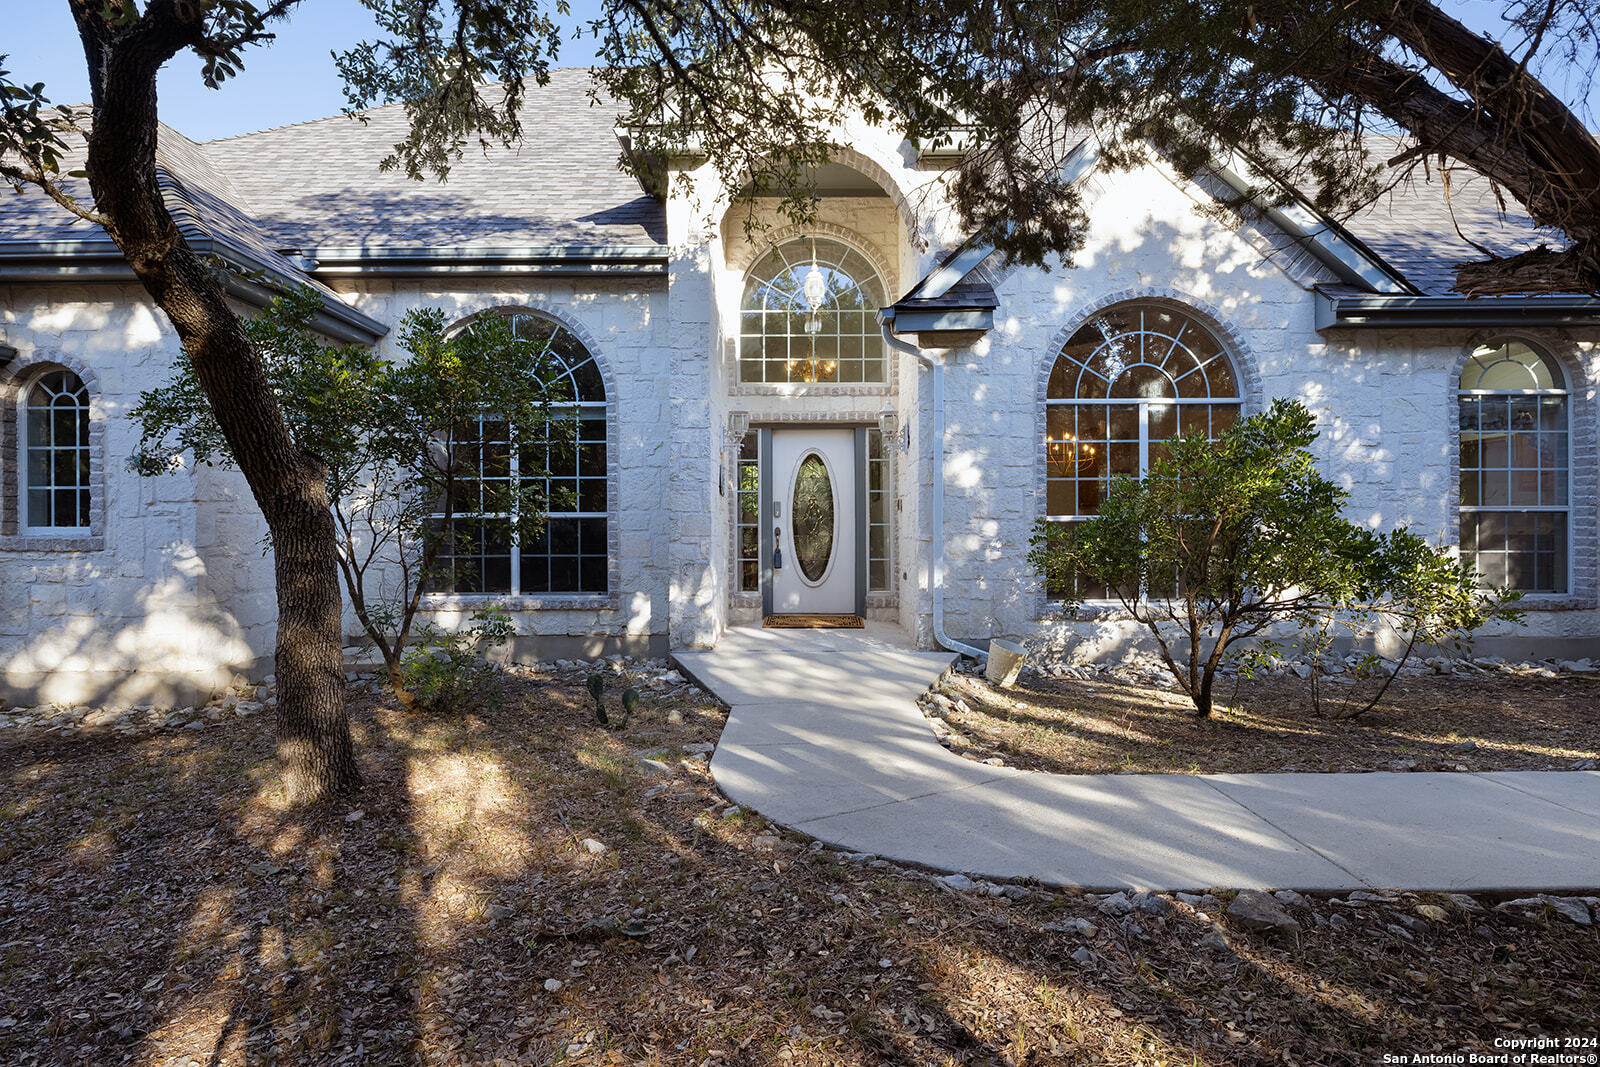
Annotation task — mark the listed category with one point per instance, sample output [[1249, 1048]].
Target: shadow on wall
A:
[[157, 644]]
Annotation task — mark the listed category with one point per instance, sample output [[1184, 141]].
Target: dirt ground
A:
[[518, 887], [1102, 726]]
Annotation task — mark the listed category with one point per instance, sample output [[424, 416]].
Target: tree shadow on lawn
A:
[[1078, 727], [160, 901]]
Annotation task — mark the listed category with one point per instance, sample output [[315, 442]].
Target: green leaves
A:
[[1225, 539], [399, 441], [459, 68]]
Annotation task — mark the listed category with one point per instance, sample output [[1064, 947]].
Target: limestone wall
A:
[[126, 613], [1385, 403], [623, 323]]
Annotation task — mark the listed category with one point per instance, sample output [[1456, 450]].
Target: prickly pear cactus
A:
[[597, 690], [630, 704]]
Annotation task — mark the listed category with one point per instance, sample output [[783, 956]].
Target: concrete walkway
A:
[[825, 737]]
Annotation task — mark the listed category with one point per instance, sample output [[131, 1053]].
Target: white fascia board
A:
[[1324, 238], [1079, 162]]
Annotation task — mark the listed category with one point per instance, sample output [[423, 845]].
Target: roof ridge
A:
[[296, 125], [341, 115]]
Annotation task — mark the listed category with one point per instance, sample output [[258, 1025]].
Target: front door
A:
[[813, 520]]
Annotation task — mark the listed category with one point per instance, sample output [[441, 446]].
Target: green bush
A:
[[1235, 539], [446, 672]]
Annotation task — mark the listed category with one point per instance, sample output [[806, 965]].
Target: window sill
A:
[[42, 542], [1111, 611], [811, 389], [1553, 602], [523, 602]]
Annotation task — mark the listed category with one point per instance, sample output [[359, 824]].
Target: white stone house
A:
[[717, 397]]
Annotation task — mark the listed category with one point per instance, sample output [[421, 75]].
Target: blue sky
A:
[[294, 80]]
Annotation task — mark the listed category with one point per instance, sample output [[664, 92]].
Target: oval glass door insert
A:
[[811, 517]]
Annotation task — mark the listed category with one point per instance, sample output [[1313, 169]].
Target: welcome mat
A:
[[813, 622]]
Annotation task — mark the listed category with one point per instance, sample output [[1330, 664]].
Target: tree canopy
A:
[[1296, 88]]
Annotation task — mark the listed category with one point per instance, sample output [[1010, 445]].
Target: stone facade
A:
[[169, 594]]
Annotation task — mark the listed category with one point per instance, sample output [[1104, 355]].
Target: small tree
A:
[[1225, 539], [418, 452]]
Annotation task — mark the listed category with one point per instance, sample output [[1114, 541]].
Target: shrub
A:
[[1232, 539], [445, 671]]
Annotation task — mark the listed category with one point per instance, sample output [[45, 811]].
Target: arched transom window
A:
[[1515, 448], [1131, 379], [568, 467], [809, 315], [56, 469]]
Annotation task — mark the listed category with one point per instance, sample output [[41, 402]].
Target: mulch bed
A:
[[1104, 726], [160, 905]]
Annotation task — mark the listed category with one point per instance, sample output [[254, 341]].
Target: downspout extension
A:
[[938, 449]]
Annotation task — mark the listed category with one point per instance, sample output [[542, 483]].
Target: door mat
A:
[[813, 622]]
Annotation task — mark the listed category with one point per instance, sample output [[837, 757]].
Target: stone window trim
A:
[[514, 602], [746, 256], [1247, 375], [15, 381], [901, 186], [1583, 472]]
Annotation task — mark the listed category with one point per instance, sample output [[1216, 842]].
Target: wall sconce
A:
[[732, 438], [889, 427], [7, 354]]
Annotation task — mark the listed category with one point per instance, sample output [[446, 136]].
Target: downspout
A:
[[938, 449]]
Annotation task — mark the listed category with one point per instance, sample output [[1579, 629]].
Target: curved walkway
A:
[[825, 737]]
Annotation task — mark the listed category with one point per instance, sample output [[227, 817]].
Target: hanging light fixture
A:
[[816, 291]]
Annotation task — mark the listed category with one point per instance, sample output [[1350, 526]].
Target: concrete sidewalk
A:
[[825, 737]]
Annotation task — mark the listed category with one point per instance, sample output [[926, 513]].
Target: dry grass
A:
[[1075, 726], [160, 903]]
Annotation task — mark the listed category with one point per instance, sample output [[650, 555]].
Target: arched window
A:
[[570, 553], [1127, 382], [809, 315], [1515, 448], [56, 465]]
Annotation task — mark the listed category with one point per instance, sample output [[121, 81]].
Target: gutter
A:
[[1334, 312], [397, 261], [247, 279], [938, 447]]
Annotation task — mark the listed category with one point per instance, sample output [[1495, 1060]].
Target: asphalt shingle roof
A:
[[1421, 228], [318, 183]]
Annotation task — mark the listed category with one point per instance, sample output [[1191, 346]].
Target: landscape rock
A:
[[592, 846], [1290, 898], [1082, 955], [1255, 910], [1115, 904], [958, 882], [1149, 902], [1433, 912]]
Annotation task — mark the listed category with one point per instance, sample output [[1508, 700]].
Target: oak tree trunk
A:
[[288, 484]]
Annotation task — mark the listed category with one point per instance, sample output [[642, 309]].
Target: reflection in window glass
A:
[[1131, 379], [566, 467], [748, 513], [1514, 449], [56, 480], [810, 315]]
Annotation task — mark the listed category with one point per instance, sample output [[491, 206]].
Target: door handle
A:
[[777, 549]]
